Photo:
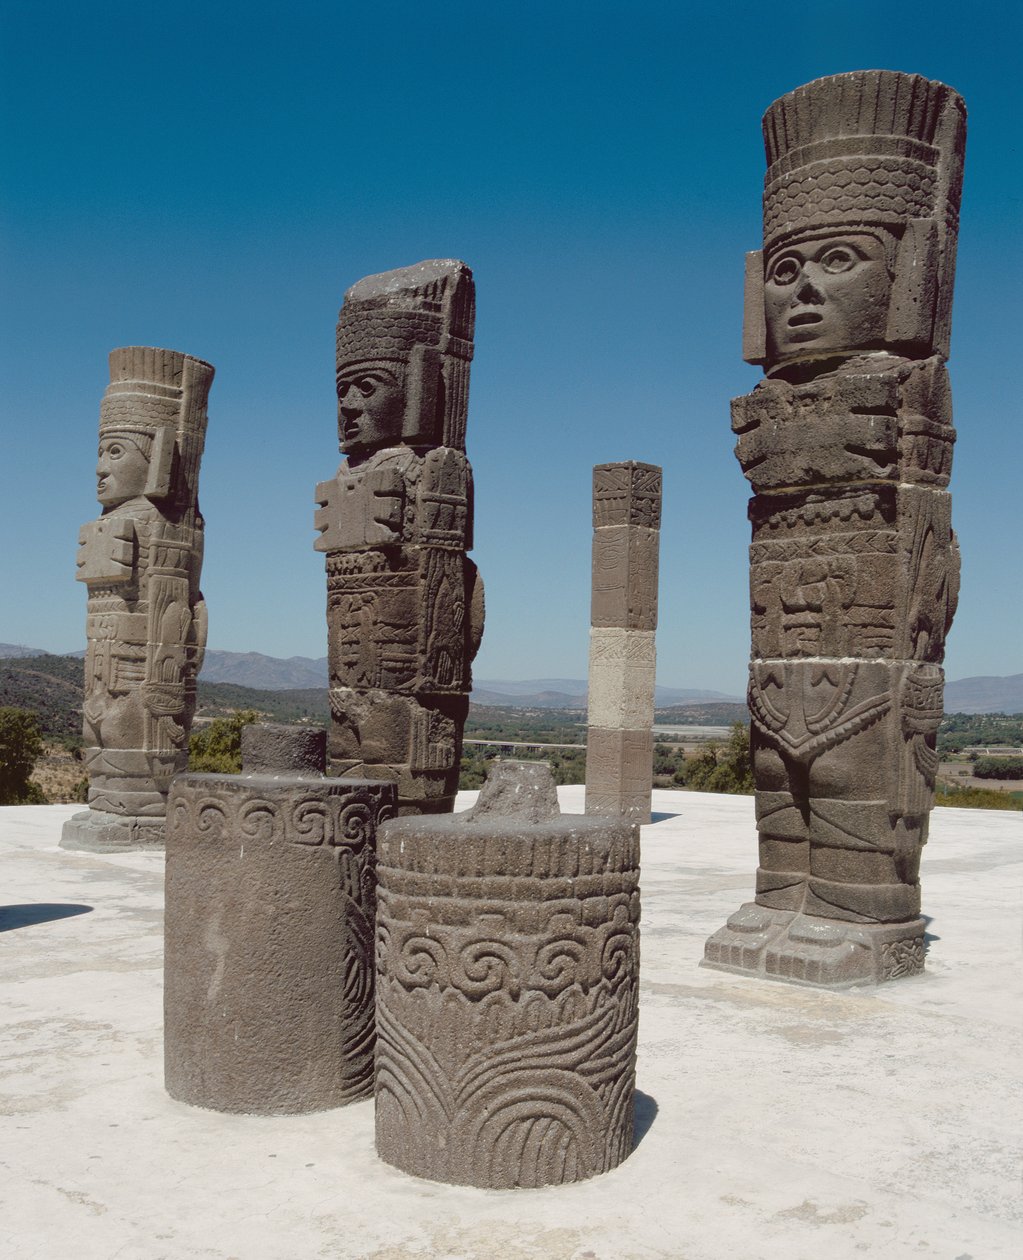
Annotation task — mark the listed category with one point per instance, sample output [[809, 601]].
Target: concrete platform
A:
[[775, 1121]]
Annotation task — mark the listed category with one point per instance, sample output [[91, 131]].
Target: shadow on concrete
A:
[[928, 936], [661, 817], [41, 912], [643, 1116]]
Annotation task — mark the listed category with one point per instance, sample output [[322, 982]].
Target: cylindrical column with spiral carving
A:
[[268, 990], [507, 997]]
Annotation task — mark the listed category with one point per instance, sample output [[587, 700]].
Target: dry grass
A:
[[58, 773]]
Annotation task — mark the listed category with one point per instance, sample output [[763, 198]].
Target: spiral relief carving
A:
[[312, 823], [211, 818], [421, 962], [483, 967], [259, 820]]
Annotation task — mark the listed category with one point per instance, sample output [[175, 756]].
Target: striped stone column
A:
[[623, 619]]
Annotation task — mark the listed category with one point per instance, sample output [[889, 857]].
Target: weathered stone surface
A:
[[623, 616], [507, 1001], [618, 773], [627, 493], [620, 693], [521, 790], [146, 620], [275, 748], [268, 961], [624, 589], [404, 603], [854, 569]]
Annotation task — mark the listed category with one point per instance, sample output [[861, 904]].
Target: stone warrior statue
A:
[[854, 568], [146, 622], [404, 604]]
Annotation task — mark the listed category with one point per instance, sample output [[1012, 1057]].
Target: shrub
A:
[[999, 768], [718, 768], [20, 745], [218, 748]]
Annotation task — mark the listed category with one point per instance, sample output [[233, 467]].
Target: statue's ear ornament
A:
[[422, 386], [914, 288], [754, 324], [161, 464]]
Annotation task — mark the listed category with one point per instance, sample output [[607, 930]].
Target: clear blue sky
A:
[[211, 177]]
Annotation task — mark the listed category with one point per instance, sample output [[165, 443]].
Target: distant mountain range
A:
[[570, 693], [19, 649], [985, 695], [270, 673], [266, 673]]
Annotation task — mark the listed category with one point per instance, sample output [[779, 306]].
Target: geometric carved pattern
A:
[[628, 493]]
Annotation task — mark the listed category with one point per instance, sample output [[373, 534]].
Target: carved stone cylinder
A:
[[507, 1000], [268, 972]]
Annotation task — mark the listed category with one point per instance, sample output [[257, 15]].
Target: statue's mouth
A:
[[807, 317]]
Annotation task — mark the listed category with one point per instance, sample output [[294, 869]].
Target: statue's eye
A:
[[838, 259], [366, 386], [115, 450], [785, 271]]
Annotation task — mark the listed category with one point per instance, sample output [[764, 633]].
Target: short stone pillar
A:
[[507, 989], [268, 971], [623, 620]]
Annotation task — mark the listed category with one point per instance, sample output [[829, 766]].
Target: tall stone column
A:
[[854, 569], [623, 619], [507, 989], [146, 620], [268, 959], [404, 602]]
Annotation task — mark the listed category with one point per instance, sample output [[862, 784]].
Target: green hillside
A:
[[302, 704], [721, 714], [50, 687]]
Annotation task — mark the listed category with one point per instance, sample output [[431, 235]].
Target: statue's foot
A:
[[740, 944], [95, 831], [805, 949]]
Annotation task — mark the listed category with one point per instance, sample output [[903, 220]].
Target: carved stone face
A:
[[826, 293], [122, 470], [370, 407]]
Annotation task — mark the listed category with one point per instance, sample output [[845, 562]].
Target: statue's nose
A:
[[807, 290]]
